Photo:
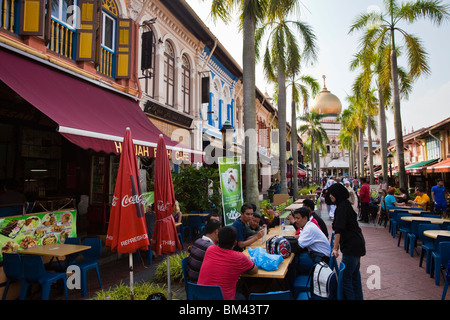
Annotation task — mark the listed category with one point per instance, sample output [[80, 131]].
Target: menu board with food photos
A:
[[36, 229]]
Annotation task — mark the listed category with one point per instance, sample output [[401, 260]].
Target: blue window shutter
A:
[[210, 120]]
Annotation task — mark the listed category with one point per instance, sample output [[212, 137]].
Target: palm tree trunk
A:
[[312, 157], [398, 121], [282, 127], [294, 149], [361, 153], [248, 59], [383, 134], [370, 149]]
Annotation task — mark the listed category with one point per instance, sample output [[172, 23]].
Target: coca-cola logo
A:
[[128, 200], [161, 206]]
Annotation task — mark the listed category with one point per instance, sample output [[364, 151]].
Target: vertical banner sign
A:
[[231, 187]]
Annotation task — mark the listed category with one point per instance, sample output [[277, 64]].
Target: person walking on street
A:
[[364, 198], [350, 240]]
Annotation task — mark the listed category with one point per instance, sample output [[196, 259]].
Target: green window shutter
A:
[[32, 17], [123, 52], [86, 33]]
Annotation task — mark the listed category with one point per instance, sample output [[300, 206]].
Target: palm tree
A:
[[384, 26], [313, 128], [300, 88], [348, 135], [251, 13], [374, 62], [358, 118], [282, 57]]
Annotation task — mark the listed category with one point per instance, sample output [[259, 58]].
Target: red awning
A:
[[443, 166], [87, 115]]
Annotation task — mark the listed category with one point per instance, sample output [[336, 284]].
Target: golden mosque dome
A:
[[326, 102]]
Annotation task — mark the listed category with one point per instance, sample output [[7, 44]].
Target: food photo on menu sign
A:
[[22, 232]]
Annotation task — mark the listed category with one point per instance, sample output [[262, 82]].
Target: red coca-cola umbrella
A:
[[127, 230], [165, 238]]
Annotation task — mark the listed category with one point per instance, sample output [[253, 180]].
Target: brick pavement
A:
[[401, 278]]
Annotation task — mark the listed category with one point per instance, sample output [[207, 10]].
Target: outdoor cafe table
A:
[[57, 250], [294, 206], [280, 273], [435, 233], [299, 201], [409, 210], [432, 220]]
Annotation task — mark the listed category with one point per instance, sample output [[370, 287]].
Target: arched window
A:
[[186, 84], [169, 74]]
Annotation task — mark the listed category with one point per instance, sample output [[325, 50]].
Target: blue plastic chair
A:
[[12, 267], [34, 273], [195, 225], [91, 257], [445, 225], [447, 277], [396, 215], [404, 227], [414, 235], [340, 285], [275, 295], [203, 292], [184, 266], [427, 246], [438, 257]]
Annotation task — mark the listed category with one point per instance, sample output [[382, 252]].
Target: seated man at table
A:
[[199, 247], [312, 240], [254, 225], [308, 203], [422, 199], [243, 238], [223, 266]]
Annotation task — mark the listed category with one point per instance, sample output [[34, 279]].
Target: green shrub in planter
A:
[[122, 292], [176, 272]]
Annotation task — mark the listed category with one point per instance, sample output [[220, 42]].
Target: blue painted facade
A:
[[221, 106]]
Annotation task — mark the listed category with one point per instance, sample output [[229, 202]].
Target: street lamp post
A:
[[307, 175], [390, 156], [227, 136], [290, 162]]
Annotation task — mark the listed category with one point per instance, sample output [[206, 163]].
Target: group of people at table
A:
[[422, 200], [217, 257]]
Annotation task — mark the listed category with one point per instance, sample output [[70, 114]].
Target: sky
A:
[[429, 101]]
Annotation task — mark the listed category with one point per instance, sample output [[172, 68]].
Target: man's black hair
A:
[[309, 203], [212, 226], [227, 237], [303, 211], [246, 206]]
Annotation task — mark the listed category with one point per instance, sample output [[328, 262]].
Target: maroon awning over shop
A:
[[87, 115]]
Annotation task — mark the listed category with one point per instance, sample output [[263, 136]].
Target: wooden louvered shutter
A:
[[123, 52], [86, 31], [32, 17]]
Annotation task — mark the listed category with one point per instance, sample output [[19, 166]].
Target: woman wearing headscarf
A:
[[349, 238]]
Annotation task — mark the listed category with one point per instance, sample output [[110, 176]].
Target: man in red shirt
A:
[[223, 266], [364, 198]]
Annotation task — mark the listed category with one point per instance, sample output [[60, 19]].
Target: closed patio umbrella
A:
[[127, 231], [165, 238]]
